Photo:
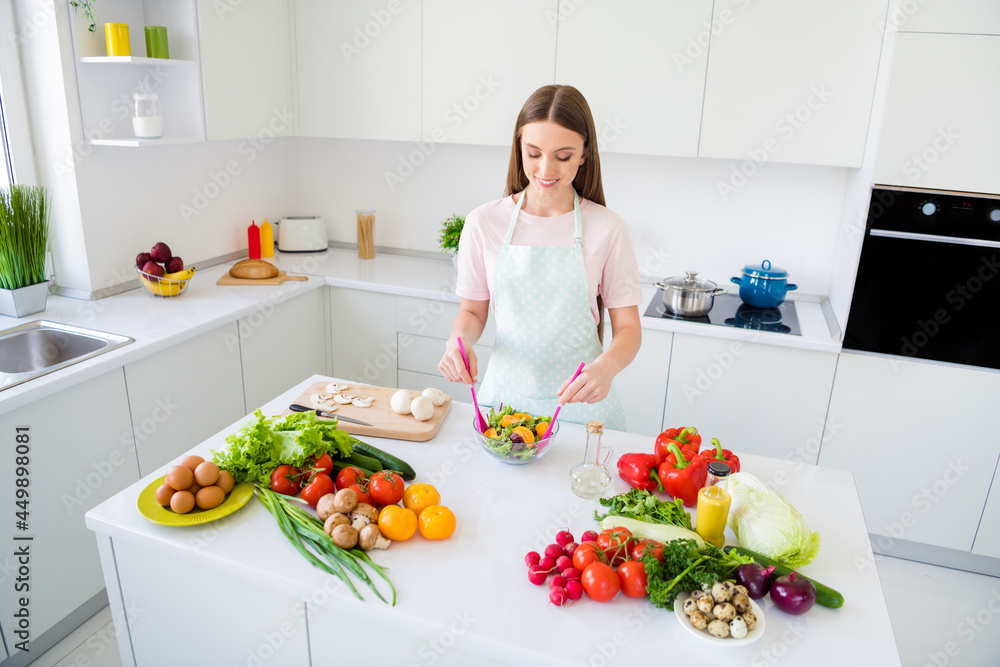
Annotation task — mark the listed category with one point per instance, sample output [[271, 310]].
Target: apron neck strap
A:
[[577, 220]]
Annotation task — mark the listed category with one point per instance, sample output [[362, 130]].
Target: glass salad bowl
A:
[[516, 453]]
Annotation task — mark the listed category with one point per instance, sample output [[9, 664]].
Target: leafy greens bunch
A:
[[686, 568], [644, 506]]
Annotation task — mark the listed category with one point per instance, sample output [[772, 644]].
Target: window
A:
[[15, 137]]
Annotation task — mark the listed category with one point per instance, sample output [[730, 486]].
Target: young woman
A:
[[551, 257]]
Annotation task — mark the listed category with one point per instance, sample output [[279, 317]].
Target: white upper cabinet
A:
[[981, 17], [358, 67], [940, 128], [246, 69], [481, 61], [791, 80], [641, 66]]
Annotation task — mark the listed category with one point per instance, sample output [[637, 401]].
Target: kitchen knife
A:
[[295, 407]]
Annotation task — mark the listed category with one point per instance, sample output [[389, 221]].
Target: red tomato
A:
[[585, 554], [350, 476], [363, 496], [639, 550], [386, 487], [632, 577], [318, 486], [324, 462], [285, 479], [600, 581], [616, 543]]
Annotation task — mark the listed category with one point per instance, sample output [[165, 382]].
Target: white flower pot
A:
[[24, 301]]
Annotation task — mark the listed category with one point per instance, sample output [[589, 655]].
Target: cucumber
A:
[[387, 460], [825, 595], [340, 464], [362, 461]]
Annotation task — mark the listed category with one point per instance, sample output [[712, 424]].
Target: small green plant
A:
[[24, 233], [88, 11], [451, 232]]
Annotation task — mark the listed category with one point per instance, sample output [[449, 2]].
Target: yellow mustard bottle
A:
[[713, 505], [266, 240]]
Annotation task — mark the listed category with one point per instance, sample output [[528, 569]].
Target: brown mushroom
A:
[[345, 501], [325, 507], [345, 536], [362, 515], [370, 537], [334, 520]]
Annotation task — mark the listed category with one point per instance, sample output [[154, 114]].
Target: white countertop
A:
[[504, 511]]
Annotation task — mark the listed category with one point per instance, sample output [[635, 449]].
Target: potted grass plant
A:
[[451, 232], [24, 234]]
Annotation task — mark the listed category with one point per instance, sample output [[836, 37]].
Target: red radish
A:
[[558, 596], [547, 564], [564, 537], [563, 562], [571, 573], [536, 575], [589, 536], [570, 548], [574, 589], [553, 551], [532, 558], [558, 580]]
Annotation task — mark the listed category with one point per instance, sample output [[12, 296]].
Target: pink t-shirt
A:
[[612, 270]]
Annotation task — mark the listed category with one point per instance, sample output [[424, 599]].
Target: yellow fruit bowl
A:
[[171, 284]]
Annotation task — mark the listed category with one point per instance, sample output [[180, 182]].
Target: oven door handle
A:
[[934, 238]]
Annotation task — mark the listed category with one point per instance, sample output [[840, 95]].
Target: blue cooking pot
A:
[[763, 286]]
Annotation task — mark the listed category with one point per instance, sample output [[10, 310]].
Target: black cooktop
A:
[[729, 311]]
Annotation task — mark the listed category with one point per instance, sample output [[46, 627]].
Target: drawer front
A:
[[421, 354], [433, 318]]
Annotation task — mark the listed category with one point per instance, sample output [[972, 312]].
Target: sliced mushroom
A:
[[335, 388], [370, 537], [362, 515], [345, 501], [325, 507], [345, 536], [343, 399], [362, 402], [323, 402], [334, 520]]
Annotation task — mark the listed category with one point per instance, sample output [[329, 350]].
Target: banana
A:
[[171, 283], [180, 275]]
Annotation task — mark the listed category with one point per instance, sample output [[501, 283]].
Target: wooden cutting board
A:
[[384, 422], [277, 280]]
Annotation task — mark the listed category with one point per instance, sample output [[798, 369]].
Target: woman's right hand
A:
[[453, 368]]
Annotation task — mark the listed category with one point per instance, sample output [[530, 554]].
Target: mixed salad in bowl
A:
[[516, 437]]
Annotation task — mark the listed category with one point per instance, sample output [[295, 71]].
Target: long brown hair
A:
[[566, 106]]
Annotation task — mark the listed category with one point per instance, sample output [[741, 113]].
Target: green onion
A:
[[24, 230], [306, 534]]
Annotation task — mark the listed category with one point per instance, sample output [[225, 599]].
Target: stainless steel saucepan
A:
[[689, 296]]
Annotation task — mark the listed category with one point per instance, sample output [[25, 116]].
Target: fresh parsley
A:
[[686, 568], [644, 506]]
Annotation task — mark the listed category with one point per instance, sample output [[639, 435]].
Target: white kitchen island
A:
[[235, 592]]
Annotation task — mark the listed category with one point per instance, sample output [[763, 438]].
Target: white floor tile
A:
[[81, 636], [941, 617]]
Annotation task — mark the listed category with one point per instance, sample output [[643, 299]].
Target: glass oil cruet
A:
[[591, 478]]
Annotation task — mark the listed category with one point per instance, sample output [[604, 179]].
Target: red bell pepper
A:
[[689, 436], [639, 471], [720, 454], [685, 439], [683, 478]]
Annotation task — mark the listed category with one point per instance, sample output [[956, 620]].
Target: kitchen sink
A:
[[41, 347]]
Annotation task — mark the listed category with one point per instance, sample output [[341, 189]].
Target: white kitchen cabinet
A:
[[646, 87], [434, 318], [642, 386], [987, 541], [80, 454], [363, 336], [980, 17], [761, 399], [480, 62], [940, 128], [246, 69], [282, 343], [920, 439], [341, 49], [791, 80], [184, 394]]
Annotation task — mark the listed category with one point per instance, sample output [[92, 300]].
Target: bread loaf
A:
[[253, 269]]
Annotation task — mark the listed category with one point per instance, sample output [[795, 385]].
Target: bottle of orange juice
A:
[[713, 505]]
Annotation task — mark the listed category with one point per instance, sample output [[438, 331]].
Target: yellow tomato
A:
[[418, 496], [540, 429], [525, 434], [437, 522], [397, 523]]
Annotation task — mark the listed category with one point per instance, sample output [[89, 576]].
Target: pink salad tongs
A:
[[559, 407], [480, 422]]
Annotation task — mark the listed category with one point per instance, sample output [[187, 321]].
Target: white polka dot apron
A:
[[544, 329]]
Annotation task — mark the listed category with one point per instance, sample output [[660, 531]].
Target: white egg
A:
[[400, 402], [436, 395], [422, 408]]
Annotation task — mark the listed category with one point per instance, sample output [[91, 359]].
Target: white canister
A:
[[147, 121]]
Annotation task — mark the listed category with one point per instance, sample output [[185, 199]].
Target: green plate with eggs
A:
[[157, 513]]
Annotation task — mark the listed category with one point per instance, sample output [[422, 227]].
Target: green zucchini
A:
[[387, 460], [825, 595], [340, 464]]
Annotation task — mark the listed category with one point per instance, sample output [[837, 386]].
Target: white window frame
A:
[[15, 107]]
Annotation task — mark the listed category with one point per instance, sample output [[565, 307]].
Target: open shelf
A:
[[144, 142], [136, 60]]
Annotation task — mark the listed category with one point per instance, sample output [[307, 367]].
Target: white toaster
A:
[[302, 234]]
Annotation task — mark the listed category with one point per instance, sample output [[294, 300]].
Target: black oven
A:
[[928, 283]]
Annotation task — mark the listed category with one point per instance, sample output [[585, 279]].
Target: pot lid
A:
[[690, 283], [765, 270]]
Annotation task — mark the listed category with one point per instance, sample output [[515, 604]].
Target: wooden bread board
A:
[[277, 280], [384, 422]]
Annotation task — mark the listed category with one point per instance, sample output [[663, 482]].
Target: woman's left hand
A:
[[590, 386]]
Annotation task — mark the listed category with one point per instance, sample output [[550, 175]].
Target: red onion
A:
[[756, 579], [793, 594]]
